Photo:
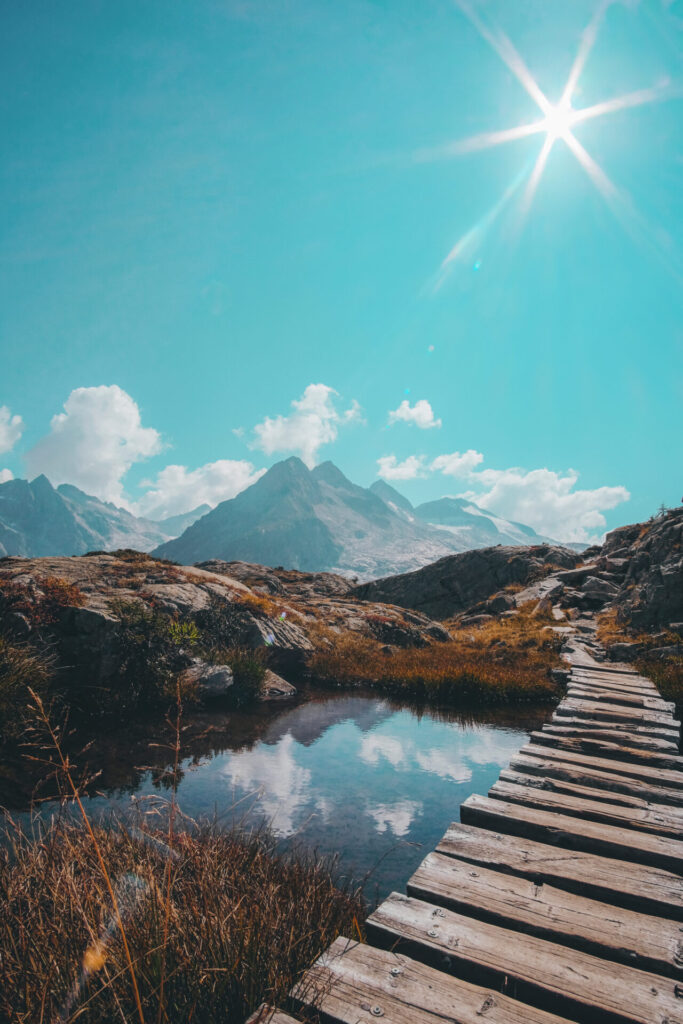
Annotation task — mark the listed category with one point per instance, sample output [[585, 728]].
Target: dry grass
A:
[[500, 661], [225, 920], [666, 673]]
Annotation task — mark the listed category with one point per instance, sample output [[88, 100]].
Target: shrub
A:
[[21, 667], [248, 670]]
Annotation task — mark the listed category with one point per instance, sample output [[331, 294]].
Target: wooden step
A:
[[573, 833], [528, 790], [544, 974], [610, 784], [612, 670], [572, 707], [634, 737], [653, 775], [534, 908], [638, 687], [656, 732], [269, 1015], [637, 887], [355, 984], [579, 692], [597, 746]]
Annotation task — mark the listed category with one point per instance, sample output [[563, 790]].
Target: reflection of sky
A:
[[356, 787]]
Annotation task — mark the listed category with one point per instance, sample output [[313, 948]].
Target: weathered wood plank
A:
[[269, 1015], [634, 736], [612, 669], [531, 907], [644, 818], [631, 729], [658, 775], [613, 697], [610, 784], [603, 711], [573, 833], [355, 984], [545, 974], [634, 886], [636, 686], [600, 747]]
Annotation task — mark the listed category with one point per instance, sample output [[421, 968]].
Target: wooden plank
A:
[[632, 728], [355, 984], [610, 784], [638, 887], [644, 688], [534, 908], [614, 697], [620, 678], [582, 804], [604, 711], [269, 1015], [634, 737], [613, 670], [655, 776], [573, 833], [545, 974], [600, 747], [608, 688]]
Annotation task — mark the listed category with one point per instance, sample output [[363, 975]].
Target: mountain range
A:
[[38, 519], [317, 520], [300, 518]]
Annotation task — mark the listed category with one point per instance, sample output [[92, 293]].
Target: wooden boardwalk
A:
[[558, 897]]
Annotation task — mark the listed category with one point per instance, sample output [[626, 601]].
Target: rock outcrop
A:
[[457, 583]]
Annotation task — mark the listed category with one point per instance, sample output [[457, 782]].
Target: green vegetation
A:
[[214, 923], [498, 662]]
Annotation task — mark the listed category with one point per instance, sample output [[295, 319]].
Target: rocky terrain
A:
[[83, 606], [459, 583], [38, 519], [317, 520]]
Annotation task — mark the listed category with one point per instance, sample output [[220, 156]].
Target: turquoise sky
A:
[[213, 205]]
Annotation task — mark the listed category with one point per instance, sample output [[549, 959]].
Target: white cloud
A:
[[94, 442], [11, 428], [546, 500], [421, 414], [315, 421], [396, 817], [391, 469], [177, 489], [457, 464], [5, 475]]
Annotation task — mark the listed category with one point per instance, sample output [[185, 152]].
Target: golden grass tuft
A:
[[500, 661], [234, 923]]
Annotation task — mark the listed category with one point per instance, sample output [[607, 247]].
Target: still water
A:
[[358, 776]]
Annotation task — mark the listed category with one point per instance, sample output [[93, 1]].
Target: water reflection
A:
[[357, 775]]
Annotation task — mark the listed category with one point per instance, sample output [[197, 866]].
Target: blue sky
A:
[[208, 207]]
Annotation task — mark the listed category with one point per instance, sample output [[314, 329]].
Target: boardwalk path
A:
[[559, 896]]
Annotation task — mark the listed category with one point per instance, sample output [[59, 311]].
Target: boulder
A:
[[624, 651], [274, 687], [209, 681]]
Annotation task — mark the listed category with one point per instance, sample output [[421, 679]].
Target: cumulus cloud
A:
[[177, 489], [313, 422], [94, 442], [421, 414], [5, 475], [390, 468], [11, 428], [457, 464], [546, 500]]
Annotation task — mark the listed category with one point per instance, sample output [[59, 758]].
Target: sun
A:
[[558, 121]]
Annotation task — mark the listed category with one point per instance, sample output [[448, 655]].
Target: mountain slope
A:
[[475, 527], [311, 520], [37, 519]]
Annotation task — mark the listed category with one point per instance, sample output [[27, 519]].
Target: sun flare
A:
[[557, 122]]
